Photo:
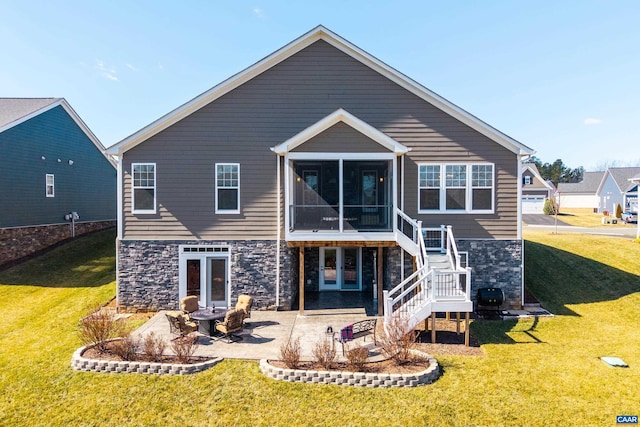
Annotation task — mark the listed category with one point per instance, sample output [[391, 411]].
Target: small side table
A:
[[207, 318]]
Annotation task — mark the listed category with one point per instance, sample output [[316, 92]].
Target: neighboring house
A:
[[51, 165], [305, 173], [583, 194], [535, 190], [616, 189]]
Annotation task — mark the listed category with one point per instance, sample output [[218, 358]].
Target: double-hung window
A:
[[455, 188], [227, 188], [144, 188], [50, 185]]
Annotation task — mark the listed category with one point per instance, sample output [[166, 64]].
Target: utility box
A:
[[606, 220]]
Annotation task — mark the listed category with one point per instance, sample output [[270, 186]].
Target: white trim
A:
[[212, 252], [120, 201], [340, 156], [339, 285], [344, 116], [318, 33], [468, 188], [278, 230], [133, 188], [519, 216], [215, 177], [52, 185], [536, 174]]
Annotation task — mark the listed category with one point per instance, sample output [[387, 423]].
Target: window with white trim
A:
[[50, 185], [227, 188], [144, 188], [456, 188], [527, 180]]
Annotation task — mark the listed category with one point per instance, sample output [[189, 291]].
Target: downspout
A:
[[519, 216], [119, 225], [278, 233]]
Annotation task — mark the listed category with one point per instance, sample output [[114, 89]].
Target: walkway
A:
[[267, 331]]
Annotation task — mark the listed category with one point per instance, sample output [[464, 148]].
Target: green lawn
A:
[[581, 217], [534, 373]]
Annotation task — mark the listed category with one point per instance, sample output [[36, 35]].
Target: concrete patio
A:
[[266, 331]]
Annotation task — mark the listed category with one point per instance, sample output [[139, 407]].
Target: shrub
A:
[[398, 340], [184, 347], [290, 353], [324, 352], [550, 207], [356, 358], [618, 211], [126, 347], [153, 347], [98, 326]]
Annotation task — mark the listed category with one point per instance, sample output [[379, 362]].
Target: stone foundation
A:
[[19, 243], [496, 263], [148, 273]]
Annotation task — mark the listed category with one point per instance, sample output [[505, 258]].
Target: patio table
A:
[[207, 318]]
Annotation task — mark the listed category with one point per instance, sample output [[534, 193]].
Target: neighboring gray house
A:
[[51, 165], [535, 190], [308, 173], [616, 189], [583, 194]]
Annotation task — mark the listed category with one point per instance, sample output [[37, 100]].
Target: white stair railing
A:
[[413, 297]]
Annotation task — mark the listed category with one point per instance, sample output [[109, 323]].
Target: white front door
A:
[[205, 275], [340, 269]]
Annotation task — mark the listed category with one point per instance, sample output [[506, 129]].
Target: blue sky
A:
[[560, 77]]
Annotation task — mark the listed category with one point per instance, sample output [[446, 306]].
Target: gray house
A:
[[319, 170], [51, 166], [616, 189], [535, 189]]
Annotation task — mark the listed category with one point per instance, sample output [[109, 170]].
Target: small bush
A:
[[126, 347], [290, 353], [618, 211], [356, 358], [184, 347], [98, 326], [324, 352], [153, 347], [398, 340], [550, 207]]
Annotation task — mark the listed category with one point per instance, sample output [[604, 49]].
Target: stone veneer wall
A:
[[496, 263], [21, 242], [148, 273]]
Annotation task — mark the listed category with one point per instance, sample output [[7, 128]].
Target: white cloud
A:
[[258, 12], [108, 72], [591, 121], [131, 67]]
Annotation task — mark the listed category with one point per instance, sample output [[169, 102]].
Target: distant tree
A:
[[550, 207], [557, 171]]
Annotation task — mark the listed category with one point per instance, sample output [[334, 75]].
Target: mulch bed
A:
[[385, 366], [95, 353]]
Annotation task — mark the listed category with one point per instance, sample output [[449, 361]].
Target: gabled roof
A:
[[622, 177], [14, 111], [318, 33], [340, 115], [589, 184], [534, 170]]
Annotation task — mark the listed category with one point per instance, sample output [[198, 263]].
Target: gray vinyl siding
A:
[[241, 126], [341, 138]]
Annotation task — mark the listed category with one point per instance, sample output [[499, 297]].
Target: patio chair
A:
[[232, 323], [244, 303], [188, 305], [178, 325]]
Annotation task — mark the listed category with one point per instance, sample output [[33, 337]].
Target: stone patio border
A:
[[358, 379], [80, 363]]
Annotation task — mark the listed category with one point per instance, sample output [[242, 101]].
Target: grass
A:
[[536, 372], [581, 217]]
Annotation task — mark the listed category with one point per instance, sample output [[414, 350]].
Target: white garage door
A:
[[532, 204]]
